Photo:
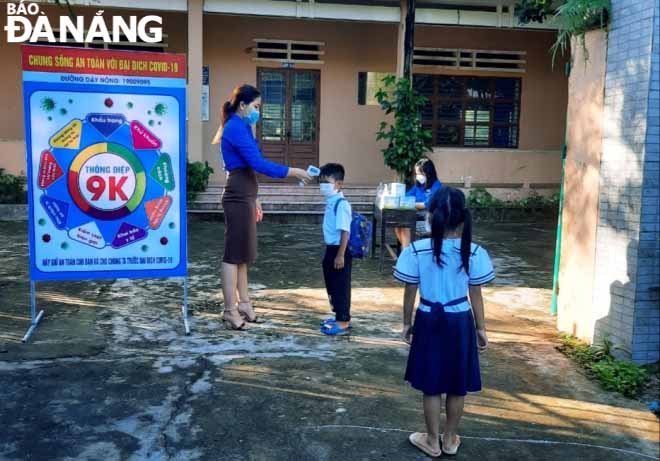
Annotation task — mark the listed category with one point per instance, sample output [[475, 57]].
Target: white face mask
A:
[[421, 179], [327, 189]]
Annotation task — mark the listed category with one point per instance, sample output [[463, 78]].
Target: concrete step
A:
[[309, 206], [283, 197], [293, 189], [267, 212], [288, 200], [296, 190], [279, 217]]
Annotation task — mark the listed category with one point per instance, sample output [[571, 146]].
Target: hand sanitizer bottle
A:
[[379, 195]]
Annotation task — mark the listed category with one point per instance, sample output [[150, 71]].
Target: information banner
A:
[[206, 96], [105, 135]]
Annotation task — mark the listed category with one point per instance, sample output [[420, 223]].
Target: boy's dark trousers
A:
[[338, 282]]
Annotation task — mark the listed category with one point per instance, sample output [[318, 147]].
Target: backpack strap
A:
[[337, 204]]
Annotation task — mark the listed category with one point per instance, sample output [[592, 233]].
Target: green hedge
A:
[[479, 197], [12, 188], [615, 375]]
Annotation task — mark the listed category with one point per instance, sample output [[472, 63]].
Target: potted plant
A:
[[197, 179], [12, 188], [574, 18], [407, 140]]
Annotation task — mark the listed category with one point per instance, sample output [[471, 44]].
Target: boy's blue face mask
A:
[[253, 117]]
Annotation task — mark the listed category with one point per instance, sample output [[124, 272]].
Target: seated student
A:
[[426, 184], [449, 329], [338, 262]]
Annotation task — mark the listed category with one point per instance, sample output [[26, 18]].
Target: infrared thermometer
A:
[[312, 171]]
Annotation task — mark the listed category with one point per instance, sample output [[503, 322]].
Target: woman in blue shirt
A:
[[426, 184], [243, 160]]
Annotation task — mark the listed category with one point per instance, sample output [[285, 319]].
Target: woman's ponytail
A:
[[241, 94], [226, 112]]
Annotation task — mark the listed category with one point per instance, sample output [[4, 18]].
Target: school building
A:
[[499, 111], [497, 105]]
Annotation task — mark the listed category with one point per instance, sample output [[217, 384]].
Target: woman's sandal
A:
[[419, 440], [232, 319], [447, 451], [246, 310]]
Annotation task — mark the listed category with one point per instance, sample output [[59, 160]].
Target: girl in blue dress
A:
[[449, 329], [426, 184]]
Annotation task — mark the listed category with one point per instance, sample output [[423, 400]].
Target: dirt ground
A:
[[109, 374]]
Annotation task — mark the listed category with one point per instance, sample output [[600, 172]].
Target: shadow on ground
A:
[[109, 375]]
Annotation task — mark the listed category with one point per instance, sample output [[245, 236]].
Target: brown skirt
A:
[[240, 208]]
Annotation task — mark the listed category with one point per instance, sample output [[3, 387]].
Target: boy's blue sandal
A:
[[334, 330], [332, 321]]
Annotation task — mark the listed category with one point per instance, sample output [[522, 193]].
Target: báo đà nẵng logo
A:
[[26, 22]]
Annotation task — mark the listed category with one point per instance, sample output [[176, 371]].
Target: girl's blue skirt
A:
[[444, 358]]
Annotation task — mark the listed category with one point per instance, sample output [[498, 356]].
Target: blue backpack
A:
[[359, 241]]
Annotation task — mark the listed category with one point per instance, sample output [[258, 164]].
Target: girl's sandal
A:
[[450, 451], [419, 440], [246, 310], [232, 319]]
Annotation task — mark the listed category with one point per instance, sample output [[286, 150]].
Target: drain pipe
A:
[[555, 275]]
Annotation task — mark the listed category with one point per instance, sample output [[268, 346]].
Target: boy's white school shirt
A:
[[334, 224], [437, 284]]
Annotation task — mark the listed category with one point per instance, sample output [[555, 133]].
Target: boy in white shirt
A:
[[337, 262]]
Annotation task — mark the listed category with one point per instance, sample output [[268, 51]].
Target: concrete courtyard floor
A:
[[109, 374]]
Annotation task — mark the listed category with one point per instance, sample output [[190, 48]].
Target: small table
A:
[[388, 217]]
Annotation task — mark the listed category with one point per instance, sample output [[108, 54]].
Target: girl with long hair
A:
[[449, 329]]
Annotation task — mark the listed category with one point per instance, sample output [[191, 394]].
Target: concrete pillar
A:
[[576, 314], [625, 239], [195, 62]]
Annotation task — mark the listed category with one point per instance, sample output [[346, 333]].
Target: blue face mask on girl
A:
[[253, 117]]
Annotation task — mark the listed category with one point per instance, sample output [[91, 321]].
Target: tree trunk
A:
[[406, 45]]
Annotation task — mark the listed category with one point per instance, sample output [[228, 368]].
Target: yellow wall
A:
[[495, 166], [12, 134], [347, 133], [12, 137], [348, 129], [544, 87]]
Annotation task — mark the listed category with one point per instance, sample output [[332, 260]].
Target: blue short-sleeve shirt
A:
[[335, 223], [416, 265], [240, 150], [423, 195]]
